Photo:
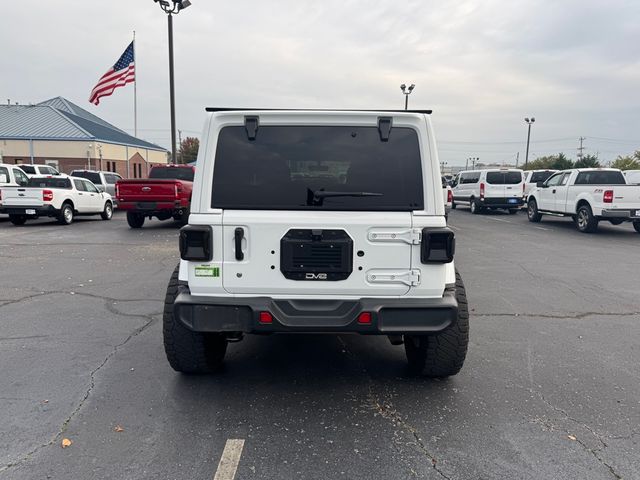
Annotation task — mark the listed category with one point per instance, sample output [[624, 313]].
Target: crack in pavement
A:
[[151, 319], [82, 294], [573, 436], [576, 316], [386, 411]]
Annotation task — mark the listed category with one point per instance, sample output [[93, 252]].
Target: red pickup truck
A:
[[165, 194]]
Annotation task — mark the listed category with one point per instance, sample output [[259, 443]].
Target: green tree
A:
[[188, 150], [561, 162], [628, 162], [541, 163], [588, 161]]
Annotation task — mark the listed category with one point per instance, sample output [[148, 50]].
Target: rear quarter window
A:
[[285, 165], [172, 173], [598, 177], [540, 177]]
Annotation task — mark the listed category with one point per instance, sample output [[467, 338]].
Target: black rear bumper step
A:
[[389, 315]]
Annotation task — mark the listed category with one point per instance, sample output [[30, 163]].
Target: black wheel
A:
[[532, 211], [636, 225], [188, 351], [66, 214], [513, 211], [474, 207], [441, 355], [107, 213], [616, 221], [17, 219], [135, 220], [585, 221], [453, 205]]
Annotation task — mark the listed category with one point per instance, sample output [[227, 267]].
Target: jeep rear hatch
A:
[[317, 210]]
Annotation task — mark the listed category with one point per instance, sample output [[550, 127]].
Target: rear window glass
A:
[[504, 178], [93, 176], [49, 183], [172, 173], [599, 177], [4, 174], [317, 168], [540, 176], [27, 169]]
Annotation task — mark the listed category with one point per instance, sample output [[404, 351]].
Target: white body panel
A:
[[390, 266], [473, 180]]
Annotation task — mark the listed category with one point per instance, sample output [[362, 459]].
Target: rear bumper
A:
[[632, 214], [502, 202], [388, 316], [153, 208], [41, 211]]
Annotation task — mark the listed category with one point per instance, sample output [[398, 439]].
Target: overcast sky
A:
[[482, 66]]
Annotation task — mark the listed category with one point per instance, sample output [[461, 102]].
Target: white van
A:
[[490, 188]]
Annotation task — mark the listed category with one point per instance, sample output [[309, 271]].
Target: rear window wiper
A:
[[316, 198]]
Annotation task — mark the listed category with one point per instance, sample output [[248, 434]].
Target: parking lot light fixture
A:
[[172, 8], [529, 121], [407, 91]]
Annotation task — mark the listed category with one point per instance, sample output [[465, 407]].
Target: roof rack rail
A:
[[233, 109]]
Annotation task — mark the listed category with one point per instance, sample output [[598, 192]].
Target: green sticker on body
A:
[[207, 271]]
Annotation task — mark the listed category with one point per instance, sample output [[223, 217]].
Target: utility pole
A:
[[581, 148], [180, 145], [529, 122], [517, 158]]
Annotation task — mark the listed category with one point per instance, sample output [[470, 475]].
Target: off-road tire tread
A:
[[442, 355], [188, 351]]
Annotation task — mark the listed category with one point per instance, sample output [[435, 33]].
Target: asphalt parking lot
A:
[[550, 389]]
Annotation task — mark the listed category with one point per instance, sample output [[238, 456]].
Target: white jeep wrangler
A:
[[317, 222]]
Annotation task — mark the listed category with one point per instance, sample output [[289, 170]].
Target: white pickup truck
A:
[[588, 195], [59, 197]]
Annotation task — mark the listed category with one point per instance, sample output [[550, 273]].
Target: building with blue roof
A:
[[59, 133]]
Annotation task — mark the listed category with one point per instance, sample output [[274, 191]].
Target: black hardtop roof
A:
[[234, 109]]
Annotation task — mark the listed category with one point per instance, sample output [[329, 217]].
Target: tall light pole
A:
[[407, 91], [171, 10], [526, 157]]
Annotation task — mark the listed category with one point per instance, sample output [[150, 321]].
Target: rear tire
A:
[[453, 205], [107, 213], [616, 221], [532, 211], [636, 225], [441, 355], [585, 221], [66, 214], [135, 220], [17, 219], [474, 207], [184, 219], [188, 351]]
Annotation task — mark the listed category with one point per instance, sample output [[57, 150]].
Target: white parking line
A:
[[498, 220], [455, 228], [542, 228], [229, 460]]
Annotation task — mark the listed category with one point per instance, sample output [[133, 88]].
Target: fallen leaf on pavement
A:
[[118, 429], [66, 443], [571, 437]]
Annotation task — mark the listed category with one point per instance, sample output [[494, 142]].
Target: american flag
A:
[[119, 75]]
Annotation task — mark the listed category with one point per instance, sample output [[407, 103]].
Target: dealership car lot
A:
[[550, 388]]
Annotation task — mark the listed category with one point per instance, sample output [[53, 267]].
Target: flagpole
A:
[[135, 89]]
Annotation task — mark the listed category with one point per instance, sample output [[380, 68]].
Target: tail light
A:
[[47, 195], [482, 191], [438, 245], [449, 196], [178, 189], [608, 196], [196, 243], [265, 318], [117, 190], [365, 318]]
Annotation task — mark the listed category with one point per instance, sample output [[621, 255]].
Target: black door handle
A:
[[238, 236], [554, 191]]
